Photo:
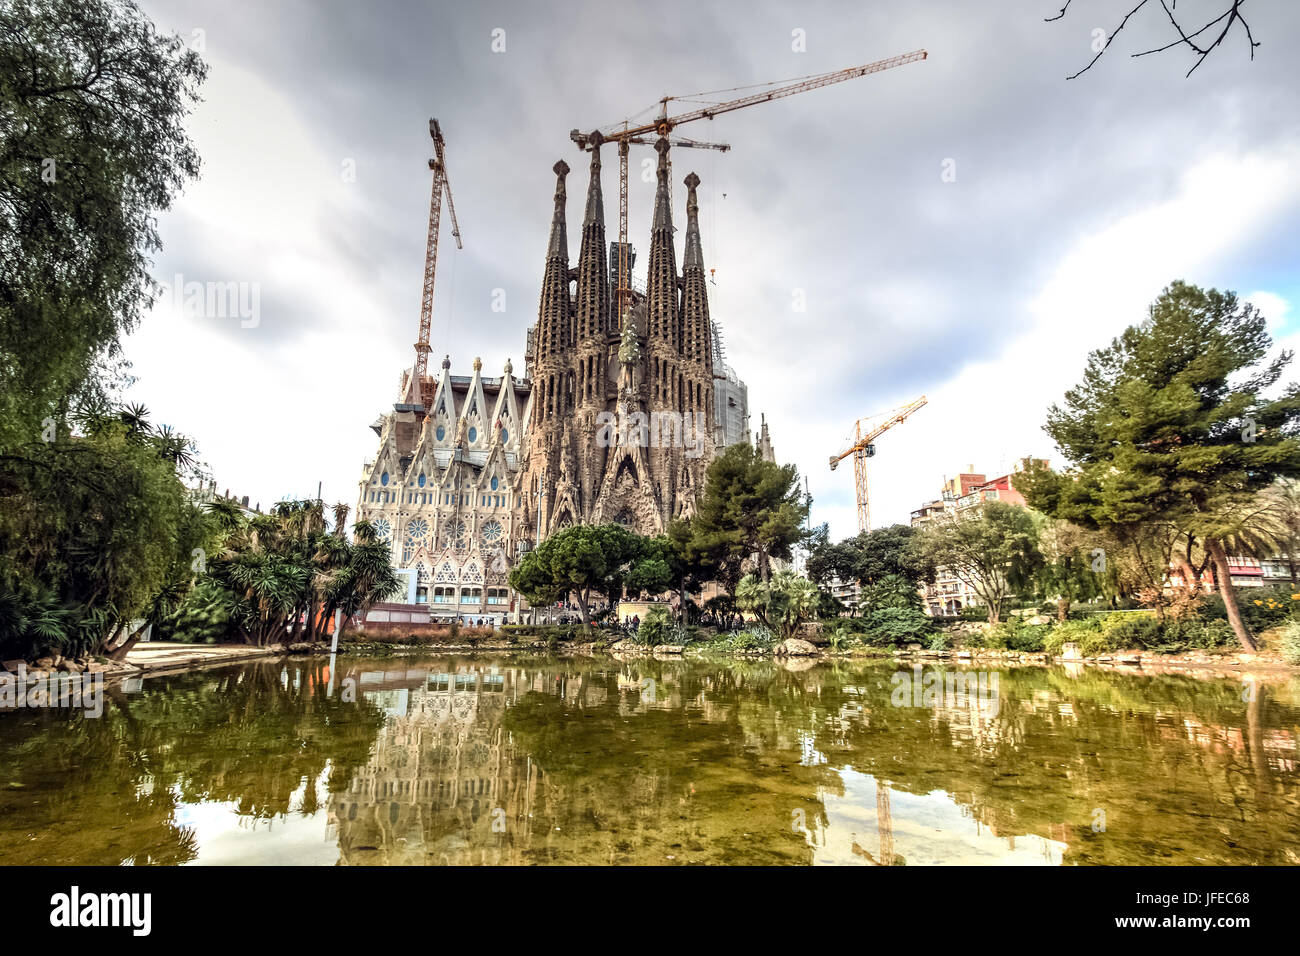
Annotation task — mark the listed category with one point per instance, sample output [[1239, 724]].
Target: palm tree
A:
[[1239, 524]]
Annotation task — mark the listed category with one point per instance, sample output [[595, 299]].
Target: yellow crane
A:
[[440, 186], [865, 432], [662, 125]]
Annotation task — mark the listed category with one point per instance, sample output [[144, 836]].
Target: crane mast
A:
[[862, 448], [440, 185], [664, 124]]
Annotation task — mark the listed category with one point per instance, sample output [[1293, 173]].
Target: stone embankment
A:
[[156, 658]]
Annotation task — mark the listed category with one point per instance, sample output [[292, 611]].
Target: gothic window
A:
[[472, 574], [492, 532], [421, 479], [473, 434], [446, 574], [494, 483], [383, 479], [455, 532], [441, 433], [421, 574], [383, 530], [417, 534]]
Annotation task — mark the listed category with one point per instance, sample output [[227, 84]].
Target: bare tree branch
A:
[[1229, 18]]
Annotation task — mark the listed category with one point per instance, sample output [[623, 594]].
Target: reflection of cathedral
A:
[[441, 772]]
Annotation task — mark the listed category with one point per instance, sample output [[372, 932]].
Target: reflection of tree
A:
[[526, 760], [1169, 759], [110, 787]]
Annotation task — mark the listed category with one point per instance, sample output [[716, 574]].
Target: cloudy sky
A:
[[1073, 204]]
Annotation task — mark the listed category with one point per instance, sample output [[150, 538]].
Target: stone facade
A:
[[614, 420], [443, 490], [622, 426]]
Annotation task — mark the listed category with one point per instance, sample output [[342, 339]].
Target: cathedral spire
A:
[[559, 245], [694, 256], [696, 329], [595, 204], [661, 282], [592, 305], [663, 212], [553, 313]]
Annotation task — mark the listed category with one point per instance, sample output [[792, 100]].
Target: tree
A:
[[284, 575], [1173, 423], [102, 524], [782, 603], [750, 509], [92, 146], [993, 551], [1071, 570], [887, 562], [687, 567], [587, 558], [1215, 31]]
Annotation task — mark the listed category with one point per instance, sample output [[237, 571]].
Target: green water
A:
[[509, 760]]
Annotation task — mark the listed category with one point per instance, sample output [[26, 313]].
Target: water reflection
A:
[[499, 760]]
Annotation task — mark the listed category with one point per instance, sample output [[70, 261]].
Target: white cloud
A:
[[992, 412]]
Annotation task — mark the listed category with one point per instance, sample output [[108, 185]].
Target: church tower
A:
[[621, 426]]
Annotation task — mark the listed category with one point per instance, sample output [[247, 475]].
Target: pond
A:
[[483, 759]]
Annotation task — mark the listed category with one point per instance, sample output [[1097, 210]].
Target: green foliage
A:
[[206, 616], [655, 627], [896, 625], [891, 552], [939, 641], [92, 88], [753, 638], [1291, 643], [587, 558], [994, 551], [102, 522], [1178, 422], [288, 574], [1262, 608], [749, 506], [782, 603]]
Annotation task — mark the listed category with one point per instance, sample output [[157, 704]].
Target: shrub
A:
[[897, 625], [974, 614], [205, 616], [1291, 643], [655, 627], [1086, 633], [1261, 608], [939, 641], [753, 638]]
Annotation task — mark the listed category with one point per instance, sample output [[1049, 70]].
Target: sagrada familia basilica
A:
[[614, 419]]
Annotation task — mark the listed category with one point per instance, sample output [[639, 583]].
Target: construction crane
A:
[[865, 432], [440, 185], [663, 125]]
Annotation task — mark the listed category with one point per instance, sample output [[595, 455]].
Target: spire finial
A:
[[595, 211], [694, 257], [663, 215], [559, 244]]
